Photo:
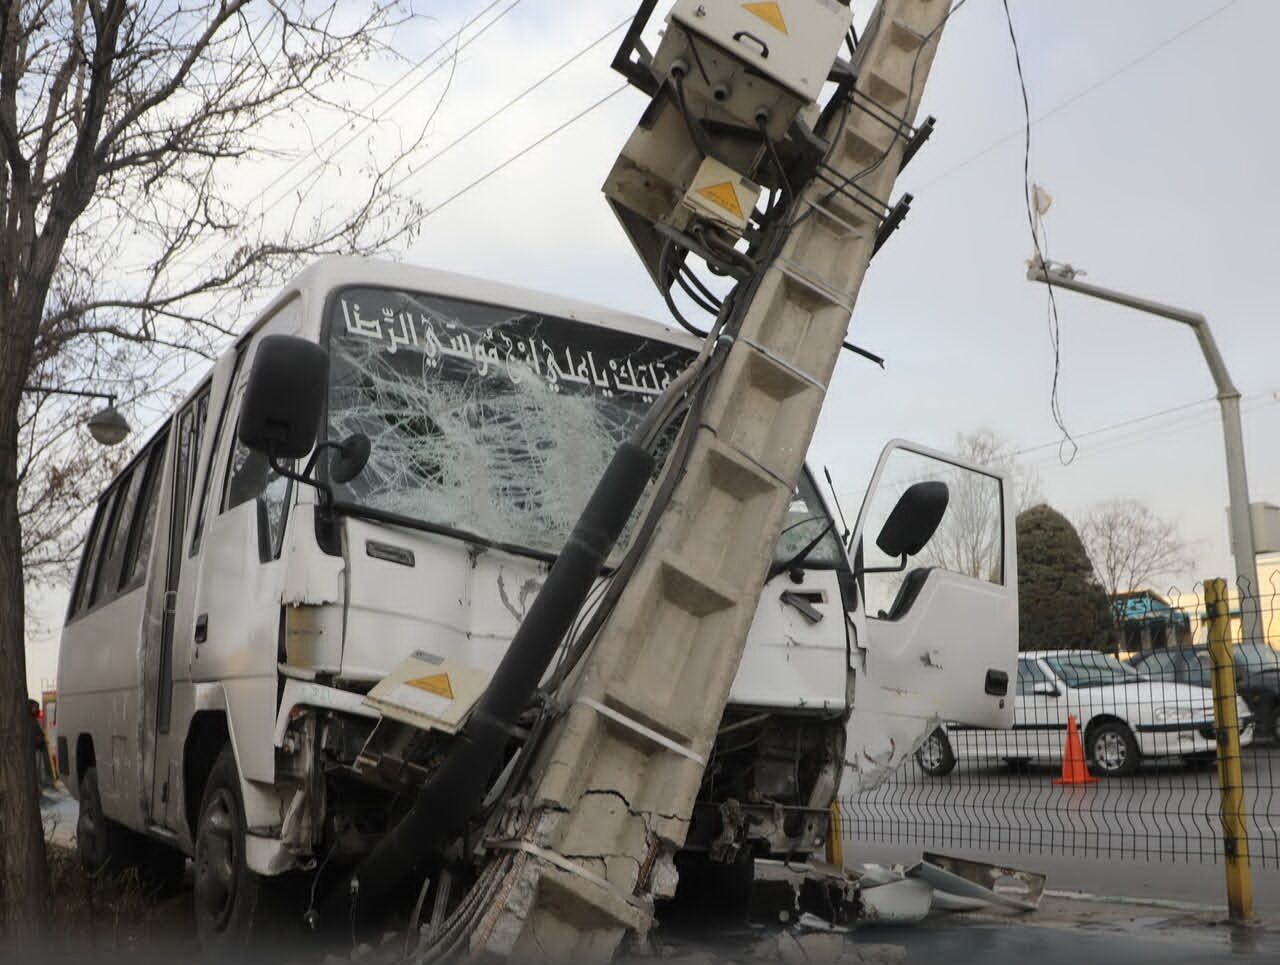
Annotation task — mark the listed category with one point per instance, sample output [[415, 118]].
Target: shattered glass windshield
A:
[[492, 421], [806, 522]]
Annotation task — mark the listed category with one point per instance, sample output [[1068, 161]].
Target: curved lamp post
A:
[[1065, 276], [107, 426]]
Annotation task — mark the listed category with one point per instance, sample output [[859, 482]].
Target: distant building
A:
[[1269, 600], [1147, 621]]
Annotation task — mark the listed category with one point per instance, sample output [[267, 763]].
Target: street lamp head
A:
[[108, 426]]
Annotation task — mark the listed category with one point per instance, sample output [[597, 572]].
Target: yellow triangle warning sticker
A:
[[437, 684], [770, 13], [723, 196]]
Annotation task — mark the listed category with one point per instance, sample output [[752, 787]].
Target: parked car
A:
[[1257, 677], [1123, 718]]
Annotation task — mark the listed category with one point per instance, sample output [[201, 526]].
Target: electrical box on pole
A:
[[1265, 519]]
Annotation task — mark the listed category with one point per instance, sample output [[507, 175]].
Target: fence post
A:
[[1235, 839], [835, 836]]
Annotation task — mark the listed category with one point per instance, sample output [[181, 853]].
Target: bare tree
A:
[[127, 129], [970, 538], [1130, 545]]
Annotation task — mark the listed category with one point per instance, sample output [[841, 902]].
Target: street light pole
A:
[[107, 426], [1064, 276]]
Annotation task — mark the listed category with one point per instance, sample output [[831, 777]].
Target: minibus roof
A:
[[340, 271]]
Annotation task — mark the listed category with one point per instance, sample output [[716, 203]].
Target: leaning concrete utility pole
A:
[[609, 797], [1065, 276]]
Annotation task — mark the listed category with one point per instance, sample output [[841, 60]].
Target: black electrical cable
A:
[[788, 195], [671, 473], [850, 347], [693, 295], [1055, 332], [664, 284], [695, 129], [706, 293]]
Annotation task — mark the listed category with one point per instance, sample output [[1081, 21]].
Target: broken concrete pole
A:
[[613, 789]]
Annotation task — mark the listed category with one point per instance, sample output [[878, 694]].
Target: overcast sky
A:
[[1158, 147]]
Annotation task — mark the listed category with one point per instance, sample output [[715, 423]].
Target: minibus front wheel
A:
[[227, 892]]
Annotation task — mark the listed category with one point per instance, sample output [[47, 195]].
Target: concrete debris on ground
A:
[[789, 947], [941, 883], [804, 914]]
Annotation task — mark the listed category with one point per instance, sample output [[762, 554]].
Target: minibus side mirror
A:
[[349, 457], [284, 400], [914, 519]]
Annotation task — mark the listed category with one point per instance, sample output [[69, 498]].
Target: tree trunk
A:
[[24, 875]]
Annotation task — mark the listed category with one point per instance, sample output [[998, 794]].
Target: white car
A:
[[1123, 717]]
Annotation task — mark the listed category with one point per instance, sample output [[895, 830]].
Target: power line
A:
[[519, 154], [1253, 404], [1055, 328], [1117, 425], [451, 59], [319, 166], [1084, 92], [573, 58]]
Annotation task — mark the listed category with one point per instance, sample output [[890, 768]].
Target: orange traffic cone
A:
[[1074, 770]]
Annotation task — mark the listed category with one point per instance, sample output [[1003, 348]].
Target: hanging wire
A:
[[1068, 444]]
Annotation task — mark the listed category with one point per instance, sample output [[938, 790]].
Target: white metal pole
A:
[[1064, 276]]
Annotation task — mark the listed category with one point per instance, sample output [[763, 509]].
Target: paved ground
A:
[[1063, 932], [1156, 834], [1136, 942]]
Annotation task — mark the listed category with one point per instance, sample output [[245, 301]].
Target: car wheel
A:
[[1201, 761], [226, 890], [105, 846], [935, 755], [1270, 724], [1113, 750]]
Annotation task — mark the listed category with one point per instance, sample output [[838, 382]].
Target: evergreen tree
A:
[[1061, 605]]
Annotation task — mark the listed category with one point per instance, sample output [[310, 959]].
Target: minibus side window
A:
[[92, 551], [109, 576], [102, 563], [134, 570], [250, 477], [197, 438]]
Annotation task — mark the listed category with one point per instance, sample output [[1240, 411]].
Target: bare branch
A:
[[1131, 546]]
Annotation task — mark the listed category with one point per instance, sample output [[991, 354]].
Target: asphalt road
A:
[[1141, 942], [1061, 933], [1157, 834]]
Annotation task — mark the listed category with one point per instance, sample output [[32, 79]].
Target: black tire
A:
[[162, 867], [1266, 722], [1113, 750], [106, 847], [227, 892], [1201, 761], [935, 756]]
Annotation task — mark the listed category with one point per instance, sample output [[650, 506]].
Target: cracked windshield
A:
[[493, 421], [498, 422]]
